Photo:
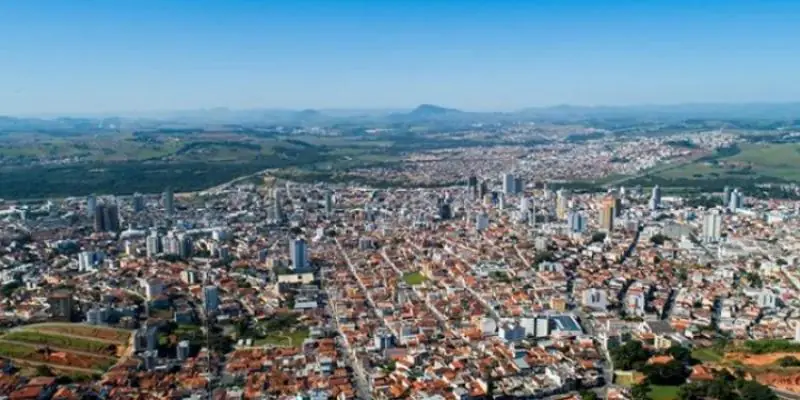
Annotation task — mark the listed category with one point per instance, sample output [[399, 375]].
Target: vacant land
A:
[[106, 334], [62, 342], [414, 278], [41, 355]]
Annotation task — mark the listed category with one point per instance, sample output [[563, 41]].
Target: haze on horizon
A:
[[148, 55]]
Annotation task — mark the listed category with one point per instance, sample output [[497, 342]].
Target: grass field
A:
[[754, 160], [36, 354], [285, 339], [120, 336], [706, 355], [63, 342], [414, 278], [658, 392]]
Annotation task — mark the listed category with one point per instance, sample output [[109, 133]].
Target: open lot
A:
[[107, 334], [756, 161], [65, 347]]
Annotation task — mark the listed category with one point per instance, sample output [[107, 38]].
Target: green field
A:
[[64, 342], [284, 338], [414, 278], [754, 160], [706, 355], [658, 392]]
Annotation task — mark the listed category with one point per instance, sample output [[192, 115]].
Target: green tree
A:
[[631, 355], [640, 391], [680, 353], [589, 395]]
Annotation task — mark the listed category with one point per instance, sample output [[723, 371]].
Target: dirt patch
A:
[[758, 360], [787, 382]]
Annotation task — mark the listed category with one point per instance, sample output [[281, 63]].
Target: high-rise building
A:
[[91, 205], [168, 200], [106, 218], [277, 207], [518, 186], [576, 221], [655, 198], [483, 190], [153, 244], [508, 183], [185, 245], [137, 203], [607, 214], [170, 244], [328, 202], [299, 254], [617, 207], [726, 195], [712, 226], [562, 203], [211, 298], [736, 200], [445, 212]]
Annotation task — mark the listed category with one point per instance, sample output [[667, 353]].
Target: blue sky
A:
[[140, 55]]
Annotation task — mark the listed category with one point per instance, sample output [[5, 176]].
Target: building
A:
[[106, 218], [655, 198], [168, 201], [299, 254], [508, 184], [736, 200], [594, 298], [562, 204], [482, 222], [712, 226], [184, 350], [88, 260], [91, 205], [153, 245], [210, 298], [607, 214], [61, 305], [137, 203], [576, 222], [152, 288], [445, 212], [328, 202]]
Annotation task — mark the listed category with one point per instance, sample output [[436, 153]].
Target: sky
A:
[[83, 56]]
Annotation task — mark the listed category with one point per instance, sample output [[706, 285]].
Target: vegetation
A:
[[725, 386], [706, 355], [771, 346], [414, 278], [662, 392], [788, 362], [629, 356], [63, 342]]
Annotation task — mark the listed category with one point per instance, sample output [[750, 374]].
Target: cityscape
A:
[[399, 200]]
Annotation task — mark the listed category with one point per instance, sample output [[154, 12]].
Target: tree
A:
[[589, 395], [629, 356], [598, 237], [671, 373], [789, 361], [640, 391], [658, 239], [680, 353], [43, 370]]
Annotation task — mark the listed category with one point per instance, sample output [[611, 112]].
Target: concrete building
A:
[[712, 226], [210, 298], [299, 254]]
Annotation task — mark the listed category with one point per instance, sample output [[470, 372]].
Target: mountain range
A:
[[422, 114]]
